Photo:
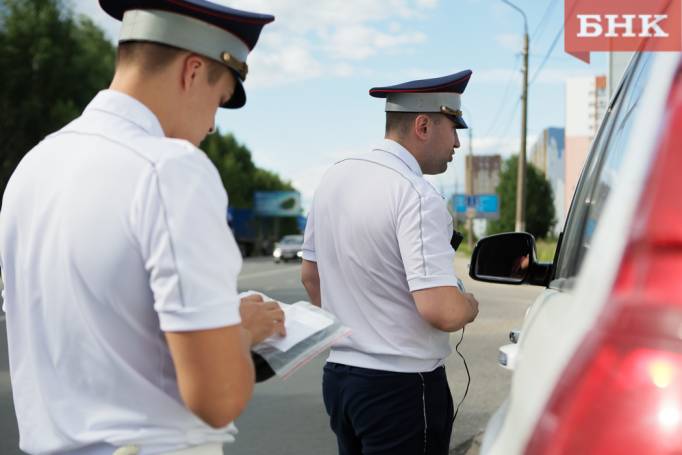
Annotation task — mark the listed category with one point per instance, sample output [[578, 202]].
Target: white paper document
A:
[[300, 323], [310, 332]]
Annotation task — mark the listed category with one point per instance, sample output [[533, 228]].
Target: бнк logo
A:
[[622, 25]]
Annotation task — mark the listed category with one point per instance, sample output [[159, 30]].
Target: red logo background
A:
[[581, 46]]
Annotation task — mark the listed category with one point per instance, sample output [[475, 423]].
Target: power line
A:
[[543, 22], [503, 103], [512, 117], [553, 58], [550, 7], [551, 47], [549, 52]]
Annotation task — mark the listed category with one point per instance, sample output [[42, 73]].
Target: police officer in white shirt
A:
[[125, 329], [377, 254]]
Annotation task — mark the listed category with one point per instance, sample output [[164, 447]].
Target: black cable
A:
[[544, 21], [466, 367], [503, 103], [551, 47], [549, 52]]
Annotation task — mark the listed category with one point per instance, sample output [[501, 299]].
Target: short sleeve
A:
[[424, 230], [309, 237], [2, 287], [188, 249], [2, 292]]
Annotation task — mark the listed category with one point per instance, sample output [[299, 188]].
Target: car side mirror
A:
[[508, 258]]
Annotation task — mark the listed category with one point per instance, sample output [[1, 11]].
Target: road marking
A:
[[249, 276]]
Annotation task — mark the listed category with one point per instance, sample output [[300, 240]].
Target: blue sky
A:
[[308, 104]]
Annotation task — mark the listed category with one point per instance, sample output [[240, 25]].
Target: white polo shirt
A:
[[111, 234], [378, 231]]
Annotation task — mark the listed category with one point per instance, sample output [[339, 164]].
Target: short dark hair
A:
[[400, 122], [154, 57]]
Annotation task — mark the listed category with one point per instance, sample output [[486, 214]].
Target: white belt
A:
[[206, 449]]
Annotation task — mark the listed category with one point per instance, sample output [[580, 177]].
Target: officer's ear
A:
[[192, 66], [422, 124]]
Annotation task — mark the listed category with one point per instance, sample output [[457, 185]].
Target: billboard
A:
[[277, 203], [486, 206]]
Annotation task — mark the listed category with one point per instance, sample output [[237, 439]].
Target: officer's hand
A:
[[261, 318], [474, 305]]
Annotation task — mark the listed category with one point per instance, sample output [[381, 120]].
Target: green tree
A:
[[540, 214], [52, 65], [240, 176]]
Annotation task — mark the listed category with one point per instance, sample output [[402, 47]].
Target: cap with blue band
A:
[[438, 95], [220, 33]]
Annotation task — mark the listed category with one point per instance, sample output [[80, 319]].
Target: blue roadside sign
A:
[[486, 206]]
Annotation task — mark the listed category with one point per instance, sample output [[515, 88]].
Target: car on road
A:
[[288, 248], [597, 364]]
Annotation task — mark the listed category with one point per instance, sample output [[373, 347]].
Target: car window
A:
[[600, 173], [290, 240]]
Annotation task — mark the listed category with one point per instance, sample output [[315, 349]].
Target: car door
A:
[[556, 322]]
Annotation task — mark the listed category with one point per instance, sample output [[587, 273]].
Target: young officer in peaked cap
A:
[[126, 332], [377, 255]]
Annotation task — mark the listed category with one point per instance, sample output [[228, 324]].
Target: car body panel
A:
[[558, 320]]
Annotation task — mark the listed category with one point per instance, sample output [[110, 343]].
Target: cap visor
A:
[[459, 122], [238, 98]]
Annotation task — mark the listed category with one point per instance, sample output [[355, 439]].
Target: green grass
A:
[[546, 249], [463, 250]]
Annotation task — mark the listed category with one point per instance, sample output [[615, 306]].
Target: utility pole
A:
[[521, 173]]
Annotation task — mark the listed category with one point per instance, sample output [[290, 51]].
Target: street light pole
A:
[[521, 173]]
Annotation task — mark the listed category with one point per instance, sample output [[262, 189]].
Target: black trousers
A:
[[374, 412]]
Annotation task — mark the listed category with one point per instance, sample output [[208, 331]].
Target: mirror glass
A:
[[504, 257]]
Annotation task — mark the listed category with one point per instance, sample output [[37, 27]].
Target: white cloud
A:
[[330, 37], [427, 3], [315, 38], [343, 70], [307, 182], [278, 68], [501, 10], [549, 76], [359, 42], [498, 75], [418, 73], [394, 27], [559, 76], [510, 41], [311, 15], [307, 179], [505, 146], [495, 145]]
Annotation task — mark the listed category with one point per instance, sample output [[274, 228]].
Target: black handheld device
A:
[[456, 239]]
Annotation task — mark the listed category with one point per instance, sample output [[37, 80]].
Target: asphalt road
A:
[[288, 417]]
